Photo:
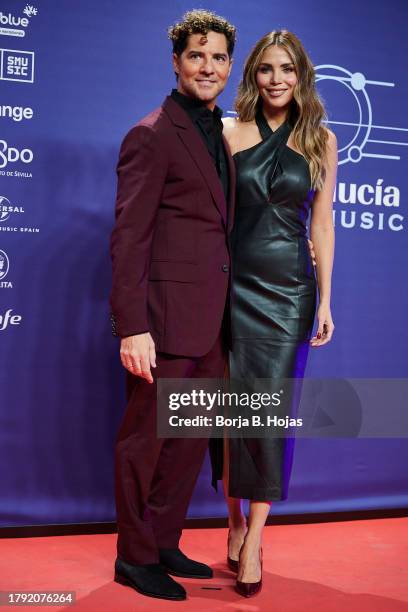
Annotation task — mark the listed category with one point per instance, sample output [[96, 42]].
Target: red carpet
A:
[[344, 566]]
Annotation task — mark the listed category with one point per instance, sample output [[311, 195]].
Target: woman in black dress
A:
[[286, 163]]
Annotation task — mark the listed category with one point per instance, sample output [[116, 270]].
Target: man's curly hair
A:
[[200, 21]]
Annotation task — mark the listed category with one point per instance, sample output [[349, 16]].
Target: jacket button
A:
[[225, 268]]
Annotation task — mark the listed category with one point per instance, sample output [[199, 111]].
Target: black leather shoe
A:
[[176, 563], [150, 580]]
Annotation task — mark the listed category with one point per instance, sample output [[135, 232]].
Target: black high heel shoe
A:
[[249, 589], [232, 563]]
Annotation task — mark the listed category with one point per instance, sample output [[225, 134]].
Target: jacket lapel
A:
[[232, 185], [198, 151]]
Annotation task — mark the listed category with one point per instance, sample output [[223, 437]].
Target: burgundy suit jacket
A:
[[170, 243]]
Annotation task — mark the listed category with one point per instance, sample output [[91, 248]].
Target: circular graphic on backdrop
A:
[[4, 265], [347, 91], [4, 214]]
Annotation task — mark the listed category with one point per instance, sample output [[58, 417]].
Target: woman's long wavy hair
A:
[[307, 111]]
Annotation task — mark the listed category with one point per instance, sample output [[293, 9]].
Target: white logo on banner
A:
[[16, 113], [10, 25], [7, 208], [365, 206], [355, 85], [4, 270], [9, 319], [4, 265], [12, 155], [30, 10], [17, 65]]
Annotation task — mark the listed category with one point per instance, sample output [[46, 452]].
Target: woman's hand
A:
[[325, 326], [311, 251]]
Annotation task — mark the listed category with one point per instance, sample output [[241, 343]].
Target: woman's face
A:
[[276, 78]]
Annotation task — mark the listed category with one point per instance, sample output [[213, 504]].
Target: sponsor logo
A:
[[16, 113], [4, 265], [7, 209], [10, 25], [4, 270], [7, 319], [360, 136], [12, 155], [371, 205], [368, 206], [17, 65]]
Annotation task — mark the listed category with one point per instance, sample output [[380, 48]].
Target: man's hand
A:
[[312, 253], [138, 355]]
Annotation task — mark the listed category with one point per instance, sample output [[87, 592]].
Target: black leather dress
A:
[[273, 297]]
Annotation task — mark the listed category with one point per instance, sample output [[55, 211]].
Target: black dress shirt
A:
[[209, 125]]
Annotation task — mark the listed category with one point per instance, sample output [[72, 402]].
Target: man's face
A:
[[204, 67]]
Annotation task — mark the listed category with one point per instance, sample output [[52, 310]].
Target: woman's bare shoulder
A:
[[231, 130], [234, 128], [230, 123], [331, 139], [241, 134]]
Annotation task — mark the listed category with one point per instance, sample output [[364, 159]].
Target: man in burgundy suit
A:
[[171, 262]]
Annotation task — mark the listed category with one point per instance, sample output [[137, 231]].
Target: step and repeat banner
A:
[[74, 77]]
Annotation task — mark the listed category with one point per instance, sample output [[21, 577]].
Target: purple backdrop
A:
[[74, 77]]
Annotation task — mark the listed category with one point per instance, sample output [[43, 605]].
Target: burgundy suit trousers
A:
[[154, 478]]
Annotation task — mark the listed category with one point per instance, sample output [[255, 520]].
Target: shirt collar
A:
[[194, 107]]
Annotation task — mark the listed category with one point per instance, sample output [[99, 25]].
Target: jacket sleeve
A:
[[141, 171]]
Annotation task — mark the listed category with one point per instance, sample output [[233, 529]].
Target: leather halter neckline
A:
[[264, 128]]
